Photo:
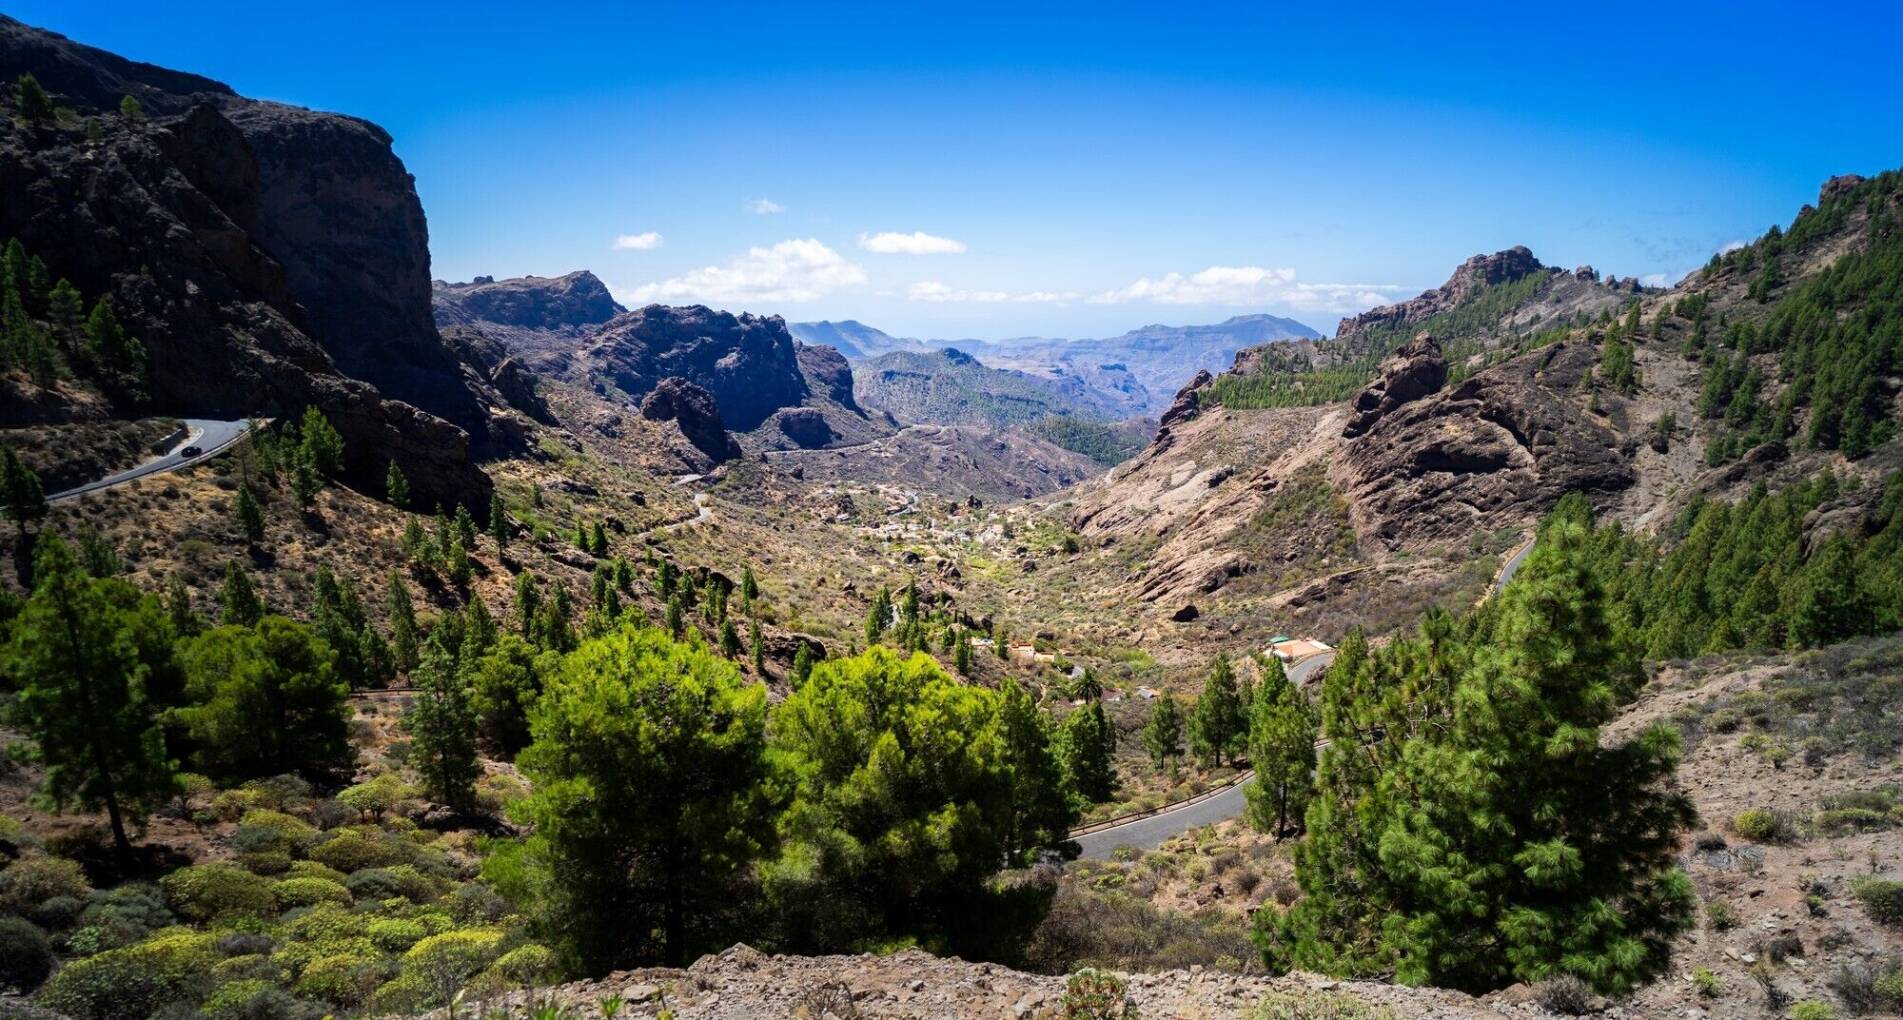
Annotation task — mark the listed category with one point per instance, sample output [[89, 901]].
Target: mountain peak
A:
[[528, 302]]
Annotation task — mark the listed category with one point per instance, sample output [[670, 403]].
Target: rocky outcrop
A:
[[1188, 402], [805, 427], [528, 302], [693, 410], [268, 257], [827, 373], [1409, 374], [747, 362], [1499, 448], [1474, 275]]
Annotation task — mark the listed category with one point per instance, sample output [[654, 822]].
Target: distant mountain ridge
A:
[[950, 387], [1159, 357]]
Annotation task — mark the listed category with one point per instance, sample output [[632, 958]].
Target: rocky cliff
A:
[[1544, 296], [530, 302], [267, 256]]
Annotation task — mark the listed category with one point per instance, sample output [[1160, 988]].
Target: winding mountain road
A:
[[1150, 831], [210, 437]]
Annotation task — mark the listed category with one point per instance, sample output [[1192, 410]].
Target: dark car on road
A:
[[190, 451]]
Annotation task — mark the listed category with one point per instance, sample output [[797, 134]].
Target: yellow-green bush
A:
[[396, 934], [31, 881], [327, 929], [170, 970], [443, 963], [306, 892], [357, 847], [406, 993], [204, 892], [250, 966], [288, 832], [344, 980], [312, 869], [528, 965]]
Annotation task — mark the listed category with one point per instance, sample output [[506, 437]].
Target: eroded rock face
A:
[[827, 373], [694, 411], [1409, 374], [528, 302], [746, 361], [1497, 449], [1187, 403], [806, 427], [267, 257]]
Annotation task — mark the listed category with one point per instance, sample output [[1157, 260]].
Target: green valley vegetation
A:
[[1470, 828], [1107, 443], [1749, 575], [48, 331], [1814, 367]]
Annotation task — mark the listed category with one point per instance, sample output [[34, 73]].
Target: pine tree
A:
[[802, 666], [878, 616], [749, 588], [583, 540], [1085, 749], [66, 314], [1216, 725], [116, 358], [676, 622], [89, 659], [178, 608], [1040, 816], [396, 487], [528, 602], [36, 107], [758, 647], [305, 481], [465, 524], [250, 516], [240, 601], [321, 445], [442, 727], [20, 492], [458, 565], [1163, 734], [729, 640], [598, 545], [961, 655], [131, 109], [1471, 829], [1282, 734], [498, 522], [403, 634]]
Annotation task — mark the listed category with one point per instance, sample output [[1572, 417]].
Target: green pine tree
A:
[[1282, 734], [36, 107], [250, 516], [1217, 728], [499, 528], [396, 487], [1163, 734], [404, 648], [89, 660], [442, 727], [1085, 748], [239, 600]]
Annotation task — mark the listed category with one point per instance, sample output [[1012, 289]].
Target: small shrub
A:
[[1882, 899], [31, 881], [1838, 821], [57, 913], [1706, 982], [1779, 948], [1314, 1005], [344, 980], [26, 955], [1762, 825], [204, 892], [256, 999], [1719, 916], [1710, 842], [1093, 994], [312, 869], [305, 892], [245, 943], [168, 972], [356, 847], [529, 965], [395, 934], [1565, 994], [443, 963], [123, 915], [1811, 1009]]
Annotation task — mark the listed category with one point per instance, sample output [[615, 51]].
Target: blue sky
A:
[[963, 170]]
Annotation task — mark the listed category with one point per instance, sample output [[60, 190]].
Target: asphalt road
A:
[[1151, 832], [1513, 566], [211, 437]]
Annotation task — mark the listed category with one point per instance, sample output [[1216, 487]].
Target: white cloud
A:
[[1250, 286], [645, 241], [764, 206], [917, 242], [791, 271], [1731, 246], [938, 293]]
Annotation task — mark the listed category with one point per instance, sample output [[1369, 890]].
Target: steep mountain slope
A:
[[266, 257], [1273, 509], [854, 339], [950, 387]]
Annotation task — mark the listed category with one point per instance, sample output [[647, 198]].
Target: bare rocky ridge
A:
[[267, 256], [1578, 292], [690, 407], [1411, 373]]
